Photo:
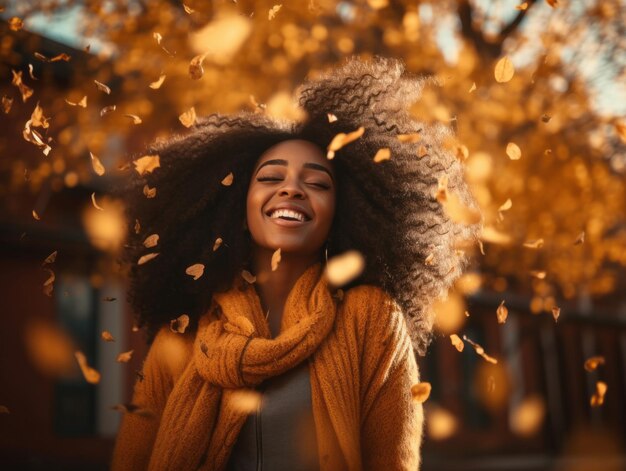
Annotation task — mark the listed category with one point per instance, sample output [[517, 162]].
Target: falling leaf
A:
[[598, 397], [480, 350], [453, 206], [502, 313], [522, 6], [61, 57], [228, 179], [107, 109], [188, 118], [592, 363], [157, 37], [196, 270], [188, 10], [580, 239], [245, 401], [556, 312], [106, 336], [421, 391], [546, 118], [527, 417], [473, 87], [195, 67], [125, 357], [156, 85], [136, 119], [345, 267], [331, 117], [540, 275], [217, 243], [273, 11], [378, 4], [429, 260], [50, 258], [275, 259], [35, 215], [179, 324], [620, 128], [457, 342], [37, 118], [534, 244], [48, 286], [96, 164], [249, 277], [513, 151], [137, 226], [422, 151], [7, 102], [341, 140], [149, 192], [30, 72], [16, 24], [409, 138], [508, 204], [151, 241], [102, 87], [146, 258], [504, 70], [82, 103], [147, 164], [25, 90], [553, 3], [382, 154], [93, 200], [91, 375]]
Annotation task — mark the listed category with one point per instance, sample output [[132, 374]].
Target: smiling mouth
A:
[[287, 215]]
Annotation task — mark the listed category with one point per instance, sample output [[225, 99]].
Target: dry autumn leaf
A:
[[93, 200], [107, 109], [473, 87], [25, 90], [502, 313], [91, 375], [539, 274], [533, 244], [245, 401], [457, 342], [196, 270], [341, 140], [82, 103], [228, 179], [217, 243], [343, 268], [508, 204], [96, 164], [382, 154], [273, 11], [35, 215], [136, 119], [429, 260], [331, 117], [102, 87], [249, 277], [157, 84], [51, 258], [591, 364], [48, 284], [556, 312], [195, 67], [188, 10], [513, 151], [147, 164], [409, 138], [151, 241], [146, 258], [421, 391], [480, 350], [180, 324], [598, 397], [7, 102], [275, 259], [16, 24], [580, 239], [188, 118], [106, 336], [504, 70], [124, 357]]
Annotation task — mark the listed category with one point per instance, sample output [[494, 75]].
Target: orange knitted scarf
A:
[[237, 351]]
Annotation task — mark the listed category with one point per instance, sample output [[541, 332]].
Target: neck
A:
[[273, 287]]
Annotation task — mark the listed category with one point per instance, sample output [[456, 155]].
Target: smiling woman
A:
[[275, 357]]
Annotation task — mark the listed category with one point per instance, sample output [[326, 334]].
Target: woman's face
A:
[[291, 198]]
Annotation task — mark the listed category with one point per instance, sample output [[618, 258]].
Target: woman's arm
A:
[[138, 430], [391, 421]]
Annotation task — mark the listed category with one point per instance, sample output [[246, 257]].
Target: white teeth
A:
[[288, 213]]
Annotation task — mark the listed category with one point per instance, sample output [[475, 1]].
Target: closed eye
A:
[[275, 179]]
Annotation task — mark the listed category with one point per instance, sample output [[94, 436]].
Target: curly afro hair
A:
[[386, 210]]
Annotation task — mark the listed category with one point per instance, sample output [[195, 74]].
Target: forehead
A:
[[296, 152]]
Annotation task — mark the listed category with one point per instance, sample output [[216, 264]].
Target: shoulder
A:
[[171, 351]]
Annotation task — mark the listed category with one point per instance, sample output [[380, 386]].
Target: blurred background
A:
[[536, 92]]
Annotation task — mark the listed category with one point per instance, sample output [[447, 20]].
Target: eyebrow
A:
[[306, 165]]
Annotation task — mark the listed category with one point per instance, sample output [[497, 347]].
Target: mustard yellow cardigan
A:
[[361, 377]]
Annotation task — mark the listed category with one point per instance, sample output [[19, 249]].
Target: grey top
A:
[[280, 436]]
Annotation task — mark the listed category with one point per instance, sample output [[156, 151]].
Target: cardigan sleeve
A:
[[391, 421], [138, 429]]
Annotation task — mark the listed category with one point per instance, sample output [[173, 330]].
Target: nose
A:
[[291, 189]]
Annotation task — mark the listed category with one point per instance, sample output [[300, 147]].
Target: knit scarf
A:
[[233, 349]]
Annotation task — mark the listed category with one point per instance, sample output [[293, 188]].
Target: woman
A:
[[334, 368]]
